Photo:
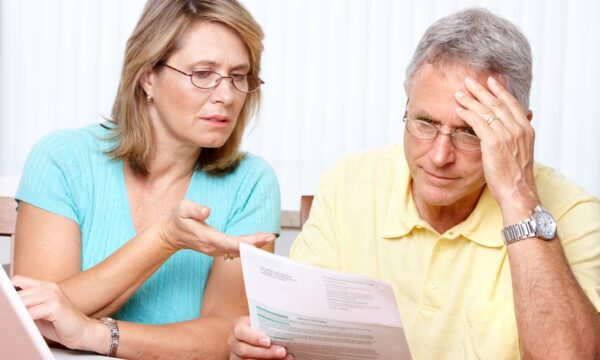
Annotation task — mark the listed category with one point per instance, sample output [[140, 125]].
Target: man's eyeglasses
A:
[[462, 138], [205, 79]]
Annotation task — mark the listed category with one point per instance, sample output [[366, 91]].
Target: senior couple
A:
[[138, 220]]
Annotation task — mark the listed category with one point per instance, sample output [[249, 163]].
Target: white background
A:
[[334, 71]]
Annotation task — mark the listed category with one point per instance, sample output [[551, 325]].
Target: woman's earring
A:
[[148, 98]]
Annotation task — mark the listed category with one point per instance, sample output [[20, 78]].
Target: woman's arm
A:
[[48, 247], [202, 338]]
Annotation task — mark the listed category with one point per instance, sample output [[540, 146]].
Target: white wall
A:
[[334, 71]]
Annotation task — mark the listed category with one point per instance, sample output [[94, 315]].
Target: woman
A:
[[103, 209]]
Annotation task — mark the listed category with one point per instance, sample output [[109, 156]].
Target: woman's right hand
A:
[[185, 228], [58, 319], [248, 343]]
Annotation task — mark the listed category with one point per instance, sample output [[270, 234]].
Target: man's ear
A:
[[529, 115], [146, 81]]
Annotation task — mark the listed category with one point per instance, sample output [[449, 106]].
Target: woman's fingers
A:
[[55, 315], [248, 343], [186, 229], [258, 239], [216, 243], [24, 282], [191, 210]]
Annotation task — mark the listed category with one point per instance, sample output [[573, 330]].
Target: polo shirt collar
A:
[[482, 226]]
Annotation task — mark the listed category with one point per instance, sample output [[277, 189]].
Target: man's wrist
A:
[[518, 209]]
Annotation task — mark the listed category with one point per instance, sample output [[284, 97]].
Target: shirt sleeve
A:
[[317, 243], [49, 174], [257, 204], [579, 232]]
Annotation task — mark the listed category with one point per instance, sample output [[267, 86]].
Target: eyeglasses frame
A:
[[451, 134], [260, 82]]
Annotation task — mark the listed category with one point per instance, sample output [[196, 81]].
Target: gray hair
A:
[[480, 40]]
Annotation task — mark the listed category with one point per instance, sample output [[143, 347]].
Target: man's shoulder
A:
[[557, 192], [370, 163]]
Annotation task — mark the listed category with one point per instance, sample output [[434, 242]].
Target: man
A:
[[446, 218]]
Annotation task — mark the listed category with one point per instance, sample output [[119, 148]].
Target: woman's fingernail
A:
[[469, 80], [492, 80], [459, 94], [280, 352], [459, 109], [265, 341]]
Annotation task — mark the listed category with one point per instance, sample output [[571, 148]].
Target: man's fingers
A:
[[485, 103], [513, 105], [475, 121]]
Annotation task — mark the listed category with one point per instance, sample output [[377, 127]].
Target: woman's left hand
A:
[[507, 142], [58, 319]]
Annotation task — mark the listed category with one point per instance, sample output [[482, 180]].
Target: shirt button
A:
[[433, 285]]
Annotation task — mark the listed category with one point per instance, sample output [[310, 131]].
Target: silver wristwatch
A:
[[541, 224]]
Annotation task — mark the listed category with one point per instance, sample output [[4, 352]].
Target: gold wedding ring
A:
[[227, 257], [491, 119]]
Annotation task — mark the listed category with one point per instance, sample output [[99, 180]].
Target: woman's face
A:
[[189, 117]]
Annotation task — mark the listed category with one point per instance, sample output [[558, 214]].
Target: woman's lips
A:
[[216, 120]]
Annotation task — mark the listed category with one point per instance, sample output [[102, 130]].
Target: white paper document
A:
[[319, 314]]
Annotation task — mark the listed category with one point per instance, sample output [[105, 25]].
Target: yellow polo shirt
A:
[[454, 289]]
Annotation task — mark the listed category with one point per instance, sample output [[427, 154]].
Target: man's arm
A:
[[555, 318]]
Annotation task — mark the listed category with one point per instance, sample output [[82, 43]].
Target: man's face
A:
[[442, 175]]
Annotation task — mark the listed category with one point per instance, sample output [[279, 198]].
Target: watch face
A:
[[545, 224]]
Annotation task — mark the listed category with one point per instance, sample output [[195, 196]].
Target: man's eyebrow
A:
[[424, 115]]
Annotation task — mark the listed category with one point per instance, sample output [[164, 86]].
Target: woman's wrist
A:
[[114, 332], [96, 338], [165, 234]]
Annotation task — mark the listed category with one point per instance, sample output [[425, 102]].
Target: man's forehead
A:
[[449, 71]]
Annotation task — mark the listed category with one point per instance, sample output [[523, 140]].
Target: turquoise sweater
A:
[[69, 174]]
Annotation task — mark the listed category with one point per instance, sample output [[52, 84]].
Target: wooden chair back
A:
[[305, 204], [8, 216], [8, 221]]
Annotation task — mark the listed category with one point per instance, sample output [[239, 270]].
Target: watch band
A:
[[114, 335], [541, 225], [520, 231]]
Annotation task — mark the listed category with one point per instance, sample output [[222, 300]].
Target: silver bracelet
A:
[[114, 335]]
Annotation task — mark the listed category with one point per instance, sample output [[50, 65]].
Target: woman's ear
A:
[[529, 115], [146, 82]]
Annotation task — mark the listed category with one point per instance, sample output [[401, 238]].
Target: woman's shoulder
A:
[[251, 171], [252, 167], [251, 162], [91, 137]]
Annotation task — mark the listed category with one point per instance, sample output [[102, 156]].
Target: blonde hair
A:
[[155, 37]]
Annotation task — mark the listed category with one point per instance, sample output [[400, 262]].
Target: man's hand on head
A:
[[507, 142]]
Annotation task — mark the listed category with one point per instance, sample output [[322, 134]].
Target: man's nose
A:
[[442, 150]]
